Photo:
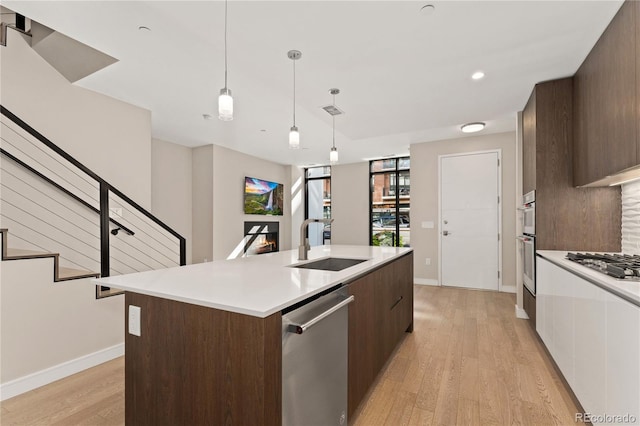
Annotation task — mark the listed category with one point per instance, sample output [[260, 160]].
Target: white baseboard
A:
[[508, 289], [57, 372], [425, 281], [520, 313]]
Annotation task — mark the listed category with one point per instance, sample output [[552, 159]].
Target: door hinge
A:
[[498, 199], [498, 274], [498, 162], [498, 237]]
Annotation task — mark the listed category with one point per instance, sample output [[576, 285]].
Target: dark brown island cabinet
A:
[[194, 365]]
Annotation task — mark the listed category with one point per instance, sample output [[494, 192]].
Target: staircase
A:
[[57, 208], [60, 273]]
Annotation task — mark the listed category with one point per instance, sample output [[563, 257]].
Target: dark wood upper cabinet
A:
[[567, 218], [637, 17], [606, 97], [529, 145]]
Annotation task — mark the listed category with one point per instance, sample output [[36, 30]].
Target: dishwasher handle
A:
[[301, 328]]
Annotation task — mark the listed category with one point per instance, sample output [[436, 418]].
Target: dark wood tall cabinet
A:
[[607, 102], [567, 218]]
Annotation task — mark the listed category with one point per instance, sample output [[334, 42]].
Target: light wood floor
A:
[[469, 361]]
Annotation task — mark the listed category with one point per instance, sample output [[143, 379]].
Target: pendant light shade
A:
[[294, 134], [333, 156], [225, 105], [294, 138], [225, 101]]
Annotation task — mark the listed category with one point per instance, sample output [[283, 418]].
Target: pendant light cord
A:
[[225, 44], [333, 118], [294, 93]]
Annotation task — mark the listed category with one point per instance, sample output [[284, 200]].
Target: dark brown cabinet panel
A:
[[362, 337], [637, 24], [378, 318], [194, 365], [529, 305], [567, 218], [529, 145], [606, 102]]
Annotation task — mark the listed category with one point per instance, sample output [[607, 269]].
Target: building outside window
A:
[[318, 203], [390, 202]]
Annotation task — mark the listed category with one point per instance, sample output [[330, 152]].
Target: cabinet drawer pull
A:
[[396, 302]]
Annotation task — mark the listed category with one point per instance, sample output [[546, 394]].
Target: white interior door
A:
[[470, 220]]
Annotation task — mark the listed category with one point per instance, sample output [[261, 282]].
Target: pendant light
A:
[[333, 154], [225, 101], [294, 134]]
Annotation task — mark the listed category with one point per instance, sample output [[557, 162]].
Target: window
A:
[[318, 203], [390, 202]]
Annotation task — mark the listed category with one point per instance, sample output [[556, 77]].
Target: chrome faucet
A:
[[304, 241]]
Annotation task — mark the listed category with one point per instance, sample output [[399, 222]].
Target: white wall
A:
[[110, 137], [171, 187], [202, 207], [350, 204], [229, 170], [46, 324], [424, 199]]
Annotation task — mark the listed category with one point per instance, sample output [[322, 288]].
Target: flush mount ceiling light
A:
[[333, 154], [294, 134], [225, 101], [478, 75], [472, 127]]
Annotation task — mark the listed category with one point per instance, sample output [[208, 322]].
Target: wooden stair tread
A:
[[70, 273], [13, 253]]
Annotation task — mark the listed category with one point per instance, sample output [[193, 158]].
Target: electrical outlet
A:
[[115, 212], [427, 225], [427, 261], [134, 320]]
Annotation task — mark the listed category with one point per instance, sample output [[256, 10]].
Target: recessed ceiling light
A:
[[263, 130], [478, 75], [207, 116], [472, 127], [143, 28], [427, 9]]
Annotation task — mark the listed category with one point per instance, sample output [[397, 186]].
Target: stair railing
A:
[[155, 245]]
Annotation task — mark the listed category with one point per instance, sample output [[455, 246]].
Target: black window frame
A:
[[306, 193], [396, 174]]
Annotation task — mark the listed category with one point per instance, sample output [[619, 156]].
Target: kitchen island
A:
[[209, 344]]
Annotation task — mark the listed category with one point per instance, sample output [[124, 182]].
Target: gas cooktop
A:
[[620, 266]]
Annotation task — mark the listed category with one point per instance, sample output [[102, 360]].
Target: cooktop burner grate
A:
[[621, 266]]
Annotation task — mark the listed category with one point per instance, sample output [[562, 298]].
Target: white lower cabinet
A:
[[623, 357], [594, 338], [590, 345]]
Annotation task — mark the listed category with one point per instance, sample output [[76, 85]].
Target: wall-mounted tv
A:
[[263, 197]]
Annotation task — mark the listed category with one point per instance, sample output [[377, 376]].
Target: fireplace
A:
[[261, 237]]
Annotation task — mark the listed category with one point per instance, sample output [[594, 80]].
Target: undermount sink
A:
[[330, 264]]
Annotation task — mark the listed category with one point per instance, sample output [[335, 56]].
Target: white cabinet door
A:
[[544, 304], [563, 324], [589, 308], [623, 358]]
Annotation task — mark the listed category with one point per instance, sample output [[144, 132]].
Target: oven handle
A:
[[524, 239]]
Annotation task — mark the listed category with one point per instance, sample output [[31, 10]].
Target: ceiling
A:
[[404, 76]]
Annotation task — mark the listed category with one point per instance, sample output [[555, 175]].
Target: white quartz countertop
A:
[[628, 290], [258, 285]]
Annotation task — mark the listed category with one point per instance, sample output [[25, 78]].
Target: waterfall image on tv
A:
[[262, 197]]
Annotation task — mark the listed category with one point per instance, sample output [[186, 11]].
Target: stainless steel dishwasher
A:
[[314, 361]]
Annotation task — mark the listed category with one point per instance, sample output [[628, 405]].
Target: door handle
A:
[[301, 328], [445, 233]]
